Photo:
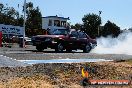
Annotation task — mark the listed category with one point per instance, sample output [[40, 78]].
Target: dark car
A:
[[64, 39]]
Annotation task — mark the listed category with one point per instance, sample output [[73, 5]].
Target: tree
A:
[[77, 26], [20, 21], [34, 18], [9, 16], [91, 23], [110, 29]]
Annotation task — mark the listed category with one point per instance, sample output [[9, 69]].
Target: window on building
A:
[[57, 23], [63, 23], [50, 22]]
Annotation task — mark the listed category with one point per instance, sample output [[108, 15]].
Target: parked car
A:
[[61, 39], [27, 41]]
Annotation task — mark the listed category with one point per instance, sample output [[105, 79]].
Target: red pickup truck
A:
[[64, 39]]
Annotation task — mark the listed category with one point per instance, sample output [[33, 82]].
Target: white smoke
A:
[[120, 45]]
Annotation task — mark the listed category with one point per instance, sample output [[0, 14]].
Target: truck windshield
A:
[[59, 32]]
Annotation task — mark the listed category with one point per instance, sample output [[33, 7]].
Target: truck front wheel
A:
[[87, 48]]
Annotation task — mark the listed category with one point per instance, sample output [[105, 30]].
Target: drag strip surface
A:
[[30, 53], [53, 55]]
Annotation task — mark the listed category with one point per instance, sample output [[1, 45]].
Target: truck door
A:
[[82, 40], [72, 40]]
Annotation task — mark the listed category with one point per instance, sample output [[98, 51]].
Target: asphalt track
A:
[[30, 53]]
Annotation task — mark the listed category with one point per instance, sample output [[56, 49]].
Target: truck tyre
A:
[[59, 47], [87, 48], [39, 48]]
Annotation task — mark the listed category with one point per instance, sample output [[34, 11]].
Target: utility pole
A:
[[99, 25], [24, 23]]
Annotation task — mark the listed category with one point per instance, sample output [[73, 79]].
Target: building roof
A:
[[56, 17]]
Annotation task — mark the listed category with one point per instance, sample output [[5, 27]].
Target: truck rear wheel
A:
[[39, 48], [87, 48], [59, 47]]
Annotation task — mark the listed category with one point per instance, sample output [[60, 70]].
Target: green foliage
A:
[[91, 23], [110, 29], [77, 26], [9, 16], [34, 18], [20, 21]]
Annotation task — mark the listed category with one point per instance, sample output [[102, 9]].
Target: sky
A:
[[116, 11]]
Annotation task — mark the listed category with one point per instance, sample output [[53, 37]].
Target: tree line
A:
[[91, 25], [91, 22], [10, 16]]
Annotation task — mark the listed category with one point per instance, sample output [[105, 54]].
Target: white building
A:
[[54, 22]]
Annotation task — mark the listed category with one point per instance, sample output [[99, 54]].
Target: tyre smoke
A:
[[120, 45]]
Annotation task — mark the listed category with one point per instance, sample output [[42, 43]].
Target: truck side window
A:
[[82, 35], [74, 34]]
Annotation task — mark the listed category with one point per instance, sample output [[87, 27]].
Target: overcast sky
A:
[[117, 11]]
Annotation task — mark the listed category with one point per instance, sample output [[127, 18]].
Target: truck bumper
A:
[[49, 44]]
